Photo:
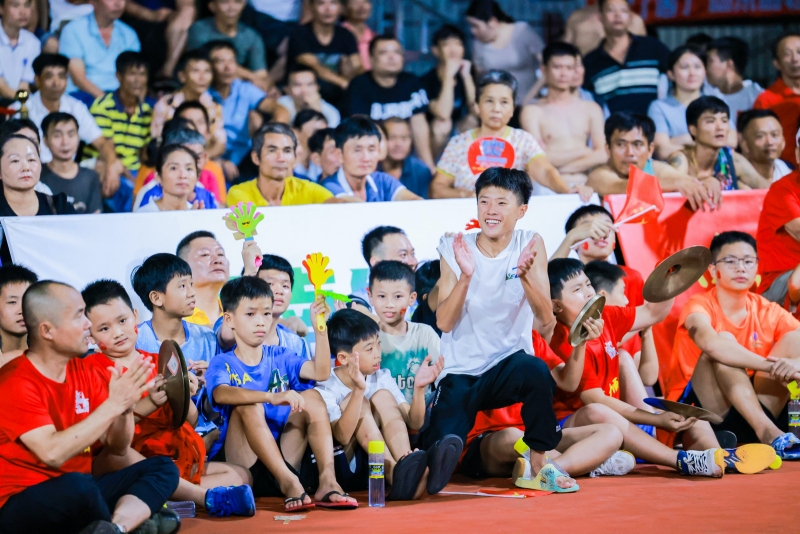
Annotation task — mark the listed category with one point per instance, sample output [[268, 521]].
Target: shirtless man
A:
[[629, 141], [562, 122], [711, 157], [585, 30]]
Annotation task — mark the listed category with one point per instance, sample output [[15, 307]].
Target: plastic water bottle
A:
[[794, 410], [376, 474]]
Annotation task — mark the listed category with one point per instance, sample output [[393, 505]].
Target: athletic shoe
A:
[[787, 446], [620, 463], [162, 522], [707, 463], [749, 459], [231, 500], [101, 527]]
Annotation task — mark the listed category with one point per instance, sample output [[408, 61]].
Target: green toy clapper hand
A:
[[243, 220]]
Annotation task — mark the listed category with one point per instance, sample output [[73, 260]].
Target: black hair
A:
[[155, 273], [603, 275], [486, 10], [516, 181], [560, 271], [447, 31], [558, 49], [355, 127], [198, 54], [730, 238], [103, 292], [583, 211], [302, 68], [219, 44], [183, 246], [16, 274], [272, 128], [496, 77], [57, 117], [12, 126], [4, 140], [678, 53], [746, 117], [307, 115], [167, 150], [183, 136], [374, 238], [700, 41], [428, 273], [347, 328], [387, 36], [703, 104], [392, 271], [130, 60], [277, 263], [317, 141], [193, 104], [731, 48], [49, 60], [624, 122], [243, 288], [172, 125], [777, 42]]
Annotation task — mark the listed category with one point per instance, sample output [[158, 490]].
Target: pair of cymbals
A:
[[592, 309], [684, 410], [172, 366], [676, 274]]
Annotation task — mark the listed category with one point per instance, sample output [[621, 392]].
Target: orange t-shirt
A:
[[634, 284], [211, 176], [764, 325]]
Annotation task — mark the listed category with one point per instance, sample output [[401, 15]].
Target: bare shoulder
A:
[[678, 159]]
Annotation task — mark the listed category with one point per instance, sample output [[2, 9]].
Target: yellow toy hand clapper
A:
[[318, 274]]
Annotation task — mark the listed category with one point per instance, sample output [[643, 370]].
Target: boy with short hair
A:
[[404, 345], [271, 411], [194, 72], [14, 281], [597, 398], [365, 404], [324, 152], [114, 330], [279, 274], [18, 48], [62, 174]]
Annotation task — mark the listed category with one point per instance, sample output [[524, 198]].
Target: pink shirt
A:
[[363, 43], [206, 178]]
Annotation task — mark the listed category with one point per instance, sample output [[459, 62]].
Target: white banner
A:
[[79, 249]]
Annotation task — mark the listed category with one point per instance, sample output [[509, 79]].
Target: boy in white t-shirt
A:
[[365, 404], [404, 345]]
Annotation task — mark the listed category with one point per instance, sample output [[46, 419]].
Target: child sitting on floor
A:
[[365, 404], [218, 487], [270, 410]]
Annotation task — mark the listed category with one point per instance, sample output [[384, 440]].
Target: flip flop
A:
[[749, 459], [545, 480], [326, 502], [442, 461], [301, 508], [406, 476]]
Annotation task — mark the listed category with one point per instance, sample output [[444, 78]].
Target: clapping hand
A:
[[427, 373]]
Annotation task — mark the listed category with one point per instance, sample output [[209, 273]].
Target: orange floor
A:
[[650, 499]]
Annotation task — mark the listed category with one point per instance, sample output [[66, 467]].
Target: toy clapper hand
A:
[[316, 266], [242, 221]]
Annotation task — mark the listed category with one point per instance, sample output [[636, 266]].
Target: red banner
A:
[[645, 245], [677, 11]]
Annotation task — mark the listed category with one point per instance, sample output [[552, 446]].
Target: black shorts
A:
[[733, 420], [352, 475], [266, 485], [472, 463]]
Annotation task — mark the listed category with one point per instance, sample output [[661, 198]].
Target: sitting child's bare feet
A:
[[326, 487], [293, 488]]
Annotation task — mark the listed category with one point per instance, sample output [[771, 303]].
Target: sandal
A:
[[545, 480], [442, 461], [326, 502], [406, 476], [301, 508]]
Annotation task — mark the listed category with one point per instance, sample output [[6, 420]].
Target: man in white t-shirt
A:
[[761, 141], [726, 60], [493, 291]]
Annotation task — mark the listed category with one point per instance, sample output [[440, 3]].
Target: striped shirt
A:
[[631, 85], [130, 133]]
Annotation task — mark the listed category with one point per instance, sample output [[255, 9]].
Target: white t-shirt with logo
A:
[[496, 320], [780, 169], [333, 390]]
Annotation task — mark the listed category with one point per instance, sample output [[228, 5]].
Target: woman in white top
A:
[[176, 171], [502, 44]]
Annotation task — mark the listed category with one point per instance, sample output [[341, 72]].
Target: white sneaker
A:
[[620, 463], [707, 463]]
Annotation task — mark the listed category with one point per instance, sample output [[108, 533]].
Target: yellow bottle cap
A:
[[376, 447], [794, 390]]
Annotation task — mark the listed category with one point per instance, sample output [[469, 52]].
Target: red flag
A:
[[644, 195]]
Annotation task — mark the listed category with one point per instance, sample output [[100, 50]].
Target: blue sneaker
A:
[[787, 446], [231, 500]]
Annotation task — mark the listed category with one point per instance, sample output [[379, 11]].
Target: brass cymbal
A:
[[593, 309], [676, 274], [686, 410], [172, 366]]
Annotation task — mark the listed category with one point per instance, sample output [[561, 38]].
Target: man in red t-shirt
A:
[[783, 96], [62, 411], [778, 239]]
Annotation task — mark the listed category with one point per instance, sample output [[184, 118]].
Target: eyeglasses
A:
[[732, 262]]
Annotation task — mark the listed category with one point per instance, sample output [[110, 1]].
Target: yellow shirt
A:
[[201, 318], [295, 193]]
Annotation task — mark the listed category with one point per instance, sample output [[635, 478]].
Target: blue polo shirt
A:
[[80, 39], [416, 176], [244, 98], [381, 187]]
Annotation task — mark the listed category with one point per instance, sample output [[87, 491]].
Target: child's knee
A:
[[597, 413], [249, 412], [613, 434]]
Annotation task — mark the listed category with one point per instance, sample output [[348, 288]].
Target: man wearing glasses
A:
[[734, 351]]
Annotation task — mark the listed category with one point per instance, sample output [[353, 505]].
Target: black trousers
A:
[[70, 502], [519, 378]]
